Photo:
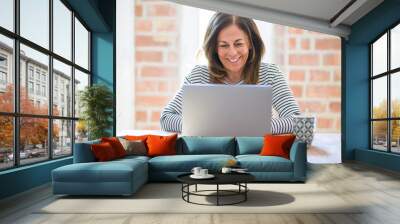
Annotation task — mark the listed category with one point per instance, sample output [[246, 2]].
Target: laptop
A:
[[226, 110]]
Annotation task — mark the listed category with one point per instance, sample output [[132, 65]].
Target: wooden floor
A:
[[377, 188]]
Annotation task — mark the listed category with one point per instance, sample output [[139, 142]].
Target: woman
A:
[[234, 50]]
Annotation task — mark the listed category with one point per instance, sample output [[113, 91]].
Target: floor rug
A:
[[167, 198]]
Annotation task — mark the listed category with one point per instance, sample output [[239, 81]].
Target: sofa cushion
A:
[[249, 145], [257, 163], [133, 158], [185, 163], [111, 171], [191, 145]]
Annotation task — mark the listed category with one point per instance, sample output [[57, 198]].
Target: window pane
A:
[[395, 94], [35, 21], [7, 14], [379, 135], [395, 136], [81, 131], [379, 98], [6, 74], [6, 142], [81, 45], [62, 29], [395, 47], [379, 55], [33, 139], [62, 137], [34, 81], [81, 81], [62, 89]]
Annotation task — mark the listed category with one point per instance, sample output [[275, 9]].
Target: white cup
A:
[[196, 170], [226, 170], [203, 172]]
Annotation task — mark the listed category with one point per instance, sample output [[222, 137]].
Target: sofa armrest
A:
[[298, 155], [83, 152]]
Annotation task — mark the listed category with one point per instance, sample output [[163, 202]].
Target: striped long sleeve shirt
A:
[[283, 101]]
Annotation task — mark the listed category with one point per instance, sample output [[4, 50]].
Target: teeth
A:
[[233, 60]]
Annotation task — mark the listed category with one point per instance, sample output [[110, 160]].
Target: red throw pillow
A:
[[116, 145], [161, 145], [103, 152], [277, 145]]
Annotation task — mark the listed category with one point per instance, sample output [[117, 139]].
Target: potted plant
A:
[[96, 102]]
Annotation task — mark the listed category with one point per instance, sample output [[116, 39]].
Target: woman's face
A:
[[233, 48]]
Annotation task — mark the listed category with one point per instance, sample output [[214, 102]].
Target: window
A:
[[3, 61], [37, 75], [7, 14], [6, 74], [7, 142], [61, 74], [62, 30], [30, 72], [45, 131], [34, 21], [81, 45], [37, 89], [3, 78], [385, 94], [30, 87], [3, 72], [44, 91], [62, 140], [81, 81]]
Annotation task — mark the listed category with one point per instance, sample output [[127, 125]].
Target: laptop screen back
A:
[[226, 110]]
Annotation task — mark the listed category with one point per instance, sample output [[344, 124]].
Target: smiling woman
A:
[[234, 49]]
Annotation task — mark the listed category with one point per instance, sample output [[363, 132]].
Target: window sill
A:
[[26, 167]]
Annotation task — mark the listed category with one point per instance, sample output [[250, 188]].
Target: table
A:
[[238, 179]]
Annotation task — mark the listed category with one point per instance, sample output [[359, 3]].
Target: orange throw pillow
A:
[[136, 138], [116, 145], [103, 152], [161, 145], [277, 145]]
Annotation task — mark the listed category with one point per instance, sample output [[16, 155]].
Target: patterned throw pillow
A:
[[134, 147]]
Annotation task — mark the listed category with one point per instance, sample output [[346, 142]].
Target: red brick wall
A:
[[156, 52], [313, 66], [310, 60]]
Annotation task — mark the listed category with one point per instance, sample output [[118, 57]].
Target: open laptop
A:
[[226, 110]]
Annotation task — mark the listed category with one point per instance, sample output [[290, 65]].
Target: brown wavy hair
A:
[[256, 49]]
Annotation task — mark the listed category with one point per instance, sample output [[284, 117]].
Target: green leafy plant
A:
[[96, 102]]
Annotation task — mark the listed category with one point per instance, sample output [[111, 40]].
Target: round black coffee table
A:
[[238, 179]]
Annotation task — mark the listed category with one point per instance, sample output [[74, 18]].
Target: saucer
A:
[[208, 176]]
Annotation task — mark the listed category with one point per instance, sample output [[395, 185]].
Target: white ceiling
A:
[[314, 15], [320, 9]]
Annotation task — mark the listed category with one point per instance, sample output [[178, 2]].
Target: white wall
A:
[[125, 56]]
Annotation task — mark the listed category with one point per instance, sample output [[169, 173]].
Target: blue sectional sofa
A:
[[125, 176]]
